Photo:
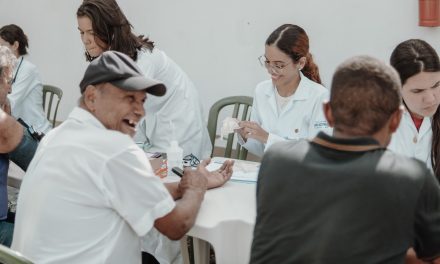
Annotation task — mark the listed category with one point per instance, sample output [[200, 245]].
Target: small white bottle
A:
[[174, 157]]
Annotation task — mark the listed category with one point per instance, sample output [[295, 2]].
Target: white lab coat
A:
[[302, 117], [181, 105], [412, 143], [27, 96]]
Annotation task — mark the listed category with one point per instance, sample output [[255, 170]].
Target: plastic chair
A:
[[50, 91], [10, 256], [242, 104]]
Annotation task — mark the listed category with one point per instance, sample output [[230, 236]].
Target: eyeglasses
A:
[[7, 80], [190, 161], [277, 67], [11, 81]]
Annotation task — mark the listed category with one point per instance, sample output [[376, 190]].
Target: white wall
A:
[[217, 42]]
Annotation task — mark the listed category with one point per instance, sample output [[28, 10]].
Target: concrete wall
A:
[[217, 42]]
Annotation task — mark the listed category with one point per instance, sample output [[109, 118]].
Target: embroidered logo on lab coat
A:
[[320, 124]]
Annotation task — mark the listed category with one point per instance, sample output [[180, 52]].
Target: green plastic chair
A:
[[242, 104], [10, 256], [50, 91]]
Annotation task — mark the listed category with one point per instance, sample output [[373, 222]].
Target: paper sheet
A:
[[243, 170]]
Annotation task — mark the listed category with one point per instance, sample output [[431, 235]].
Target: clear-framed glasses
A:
[[276, 67], [10, 81]]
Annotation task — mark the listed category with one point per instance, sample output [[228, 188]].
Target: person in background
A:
[[89, 191], [15, 141], [7, 63], [178, 115], [26, 97], [418, 135], [346, 198], [289, 105]]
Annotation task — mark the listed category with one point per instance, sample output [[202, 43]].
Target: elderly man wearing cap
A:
[[90, 193]]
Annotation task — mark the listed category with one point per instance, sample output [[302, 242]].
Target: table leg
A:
[[201, 251], [184, 249]]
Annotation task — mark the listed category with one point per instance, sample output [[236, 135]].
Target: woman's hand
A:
[[251, 129]]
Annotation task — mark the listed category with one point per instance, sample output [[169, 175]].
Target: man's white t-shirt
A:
[[88, 196]]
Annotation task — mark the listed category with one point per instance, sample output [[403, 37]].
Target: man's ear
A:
[[90, 95], [328, 113], [395, 118]]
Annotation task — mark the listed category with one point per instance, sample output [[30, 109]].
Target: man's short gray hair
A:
[[7, 60]]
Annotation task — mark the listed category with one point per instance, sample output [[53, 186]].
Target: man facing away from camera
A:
[[345, 198]]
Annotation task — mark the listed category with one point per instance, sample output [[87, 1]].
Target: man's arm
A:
[[190, 190], [215, 178], [427, 216], [177, 223], [11, 133]]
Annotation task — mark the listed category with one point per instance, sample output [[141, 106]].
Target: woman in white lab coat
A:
[[289, 105], [103, 26], [418, 135], [26, 97]]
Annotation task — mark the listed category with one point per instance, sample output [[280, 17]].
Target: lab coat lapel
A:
[[425, 127], [270, 94], [300, 94]]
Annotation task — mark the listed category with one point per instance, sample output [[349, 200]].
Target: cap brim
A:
[[141, 83]]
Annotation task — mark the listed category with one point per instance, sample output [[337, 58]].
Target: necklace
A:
[[18, 68]]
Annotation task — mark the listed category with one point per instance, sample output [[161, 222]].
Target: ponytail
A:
[[435, 148], [311, 70], [293, 41]]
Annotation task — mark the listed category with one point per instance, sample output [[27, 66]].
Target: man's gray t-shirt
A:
[[318, 204]]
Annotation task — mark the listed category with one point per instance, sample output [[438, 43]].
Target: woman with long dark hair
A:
[[289, 105], [418, 135], [103, 26]]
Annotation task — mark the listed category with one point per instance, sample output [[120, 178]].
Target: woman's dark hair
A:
[[112, 27], [410, 58], [12, 33], [293, 40]]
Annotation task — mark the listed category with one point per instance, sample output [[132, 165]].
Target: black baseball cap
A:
[[120, 70]]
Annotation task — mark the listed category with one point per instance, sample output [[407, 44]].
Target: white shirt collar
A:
[[301, 92], [81, 115]]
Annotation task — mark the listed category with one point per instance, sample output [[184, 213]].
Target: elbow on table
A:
[[175, 235], [178, 231], [174, 228]]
